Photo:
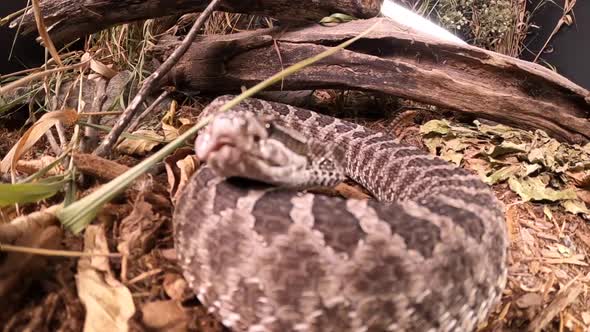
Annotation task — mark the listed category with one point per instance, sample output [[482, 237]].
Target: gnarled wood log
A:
[[69, 19], [394, 61]]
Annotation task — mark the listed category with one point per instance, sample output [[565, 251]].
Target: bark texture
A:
[[70, 19], [395, 61]]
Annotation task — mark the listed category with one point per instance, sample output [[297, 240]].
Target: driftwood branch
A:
[[394, 61], [70, 19]]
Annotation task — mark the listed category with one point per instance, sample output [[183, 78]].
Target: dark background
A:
[[570, 47], [27, 53]]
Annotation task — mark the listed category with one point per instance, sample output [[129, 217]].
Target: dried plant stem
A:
[[149, 84], [37, 76], [90, 140], [148, 110], [52, 142], [42, 29], [58, 253], [564, 19]]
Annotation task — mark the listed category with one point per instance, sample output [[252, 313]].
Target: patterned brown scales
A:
[[427, 255]]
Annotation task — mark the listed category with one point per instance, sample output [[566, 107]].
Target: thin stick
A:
[[147, 111], [100, 113], [149, 84], [51, 252]]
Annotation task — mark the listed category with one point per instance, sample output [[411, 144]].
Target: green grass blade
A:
[[30, 192]]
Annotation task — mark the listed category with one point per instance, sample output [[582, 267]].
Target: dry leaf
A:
[[33, 134], [505, 148], [175, 286], [170, 132], [441, 127], [170, 117], [180, 166], [482, 167], [580, 178], [529, 300], [170, 124], [109, 304], [534, 189], [100, 68], [186, 124], [138, 146], [584, 195], [575, 206], [502, 174], [137, 230], [433, 143], [166, 316], [452, 156]]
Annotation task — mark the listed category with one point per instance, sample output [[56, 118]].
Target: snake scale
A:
[[427, 254]]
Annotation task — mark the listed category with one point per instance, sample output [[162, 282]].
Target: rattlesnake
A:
[[427, 255]]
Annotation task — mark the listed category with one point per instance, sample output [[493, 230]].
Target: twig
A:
[[147, 111], [143, 276], [48, 167], [107, 169], [561, 301], [52, 142], [90, 140], [149, 84], [52, 252]]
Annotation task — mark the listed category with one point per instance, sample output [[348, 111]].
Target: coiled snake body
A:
[[427, 255]]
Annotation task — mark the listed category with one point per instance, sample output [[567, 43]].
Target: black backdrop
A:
[[27, 53], [569, 50]]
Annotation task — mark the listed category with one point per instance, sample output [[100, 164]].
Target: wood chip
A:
[[561, 301], [529, 300]]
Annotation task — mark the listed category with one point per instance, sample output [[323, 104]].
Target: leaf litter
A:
[[536, 167], [544, 185]]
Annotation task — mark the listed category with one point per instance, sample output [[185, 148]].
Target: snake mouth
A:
[[206, 147]]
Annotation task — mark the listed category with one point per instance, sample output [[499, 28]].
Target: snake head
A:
[[248, 145]]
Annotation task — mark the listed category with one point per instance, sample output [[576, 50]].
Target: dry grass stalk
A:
[[566, 18], [42, 29]]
